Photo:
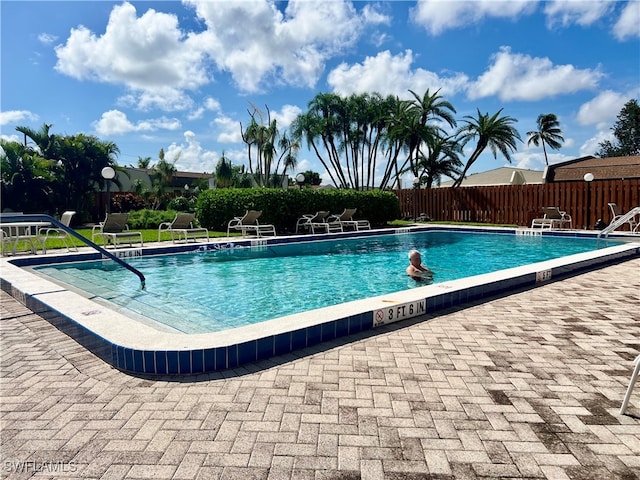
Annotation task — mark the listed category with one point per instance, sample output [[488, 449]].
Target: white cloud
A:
[[15, 116], [628, 25], [592, 145], [149, 55], [436, 16], [286, 116], [583, 13], [46, 38], [522, 77], [255, 42], [229, 130], [191, 157], [115, 122], [391, 75], [602, 109]]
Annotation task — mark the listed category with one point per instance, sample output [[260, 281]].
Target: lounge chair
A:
[[552, 217], [182, 226], [319, 221], [248, 224], [347, 221], [115, 230], [59, 233], [633, 225]]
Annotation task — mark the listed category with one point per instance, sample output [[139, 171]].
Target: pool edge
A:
[[210, 353]]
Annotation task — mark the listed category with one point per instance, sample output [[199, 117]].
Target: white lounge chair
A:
[[182, 226], [248, 224], [633, 225], [115, 230], [552, 217], [59, 233], [319, 221], [347, 221]]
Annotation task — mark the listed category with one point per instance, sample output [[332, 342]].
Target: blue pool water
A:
[[218, 290]]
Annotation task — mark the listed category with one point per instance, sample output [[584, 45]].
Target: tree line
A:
[[363, 141]]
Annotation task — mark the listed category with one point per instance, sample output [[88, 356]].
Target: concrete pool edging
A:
[[139, 349]]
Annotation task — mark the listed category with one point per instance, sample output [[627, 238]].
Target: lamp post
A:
[[108, 174], [416, 184], [588, 177], [300, 180], [186, 190]]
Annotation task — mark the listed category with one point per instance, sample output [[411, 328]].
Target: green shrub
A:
[[149, 219], [283, 207], [182, 204]]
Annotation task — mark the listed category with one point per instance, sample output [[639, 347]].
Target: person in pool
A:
[[416, 269]]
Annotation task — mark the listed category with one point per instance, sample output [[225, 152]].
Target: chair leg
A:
[[632, 382]]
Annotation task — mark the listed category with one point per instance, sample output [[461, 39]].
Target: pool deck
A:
[[524, 386]]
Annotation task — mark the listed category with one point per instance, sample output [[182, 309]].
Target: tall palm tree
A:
[[493, 131], [548, 133]]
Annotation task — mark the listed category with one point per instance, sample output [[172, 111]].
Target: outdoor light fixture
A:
[[108, 174], [300, 179], [588, 177]]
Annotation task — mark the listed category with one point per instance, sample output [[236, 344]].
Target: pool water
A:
[[217, 290]]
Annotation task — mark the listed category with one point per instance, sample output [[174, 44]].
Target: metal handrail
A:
[[7, 217], [620, 221]]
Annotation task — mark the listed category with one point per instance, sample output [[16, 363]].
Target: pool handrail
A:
[[8, 217]]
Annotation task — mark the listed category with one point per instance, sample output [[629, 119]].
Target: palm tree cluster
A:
[[52, 172], [271, 153], [367, 141]]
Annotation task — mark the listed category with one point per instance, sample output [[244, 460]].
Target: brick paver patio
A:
[[526, 386]]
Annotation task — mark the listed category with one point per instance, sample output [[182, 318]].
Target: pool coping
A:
[[137, 348]]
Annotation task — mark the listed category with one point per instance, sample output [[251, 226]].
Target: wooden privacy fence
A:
[[586, 202]]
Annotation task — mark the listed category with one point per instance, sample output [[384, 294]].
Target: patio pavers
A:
[[525, 386]]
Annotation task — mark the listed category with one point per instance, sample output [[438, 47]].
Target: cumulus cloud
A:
[[191, 156], [115, 122], [228, 130], [522, 77], [209, 104], [602, 109], [256, 42], [149, 55], [628, 25], [437, 16], [592, 145], [583, 13], [15, 116], [391, 75]]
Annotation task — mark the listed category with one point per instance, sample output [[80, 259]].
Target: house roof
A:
[[610, 168], [500, 176]]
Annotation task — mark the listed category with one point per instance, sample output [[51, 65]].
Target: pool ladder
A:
[[47, 218]]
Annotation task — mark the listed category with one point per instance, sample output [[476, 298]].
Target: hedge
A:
[[282, 208]]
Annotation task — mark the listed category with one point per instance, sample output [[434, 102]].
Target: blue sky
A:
[[182, 75]]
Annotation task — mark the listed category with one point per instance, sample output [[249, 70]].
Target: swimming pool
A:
[[226, 288], [135, 346]]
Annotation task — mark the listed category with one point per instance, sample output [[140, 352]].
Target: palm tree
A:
[[548, 133], [493, 131]]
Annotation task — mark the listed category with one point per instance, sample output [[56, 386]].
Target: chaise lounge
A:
[[347, 221], [249, 224], [552, 217], [182, 226], [115, 230]]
